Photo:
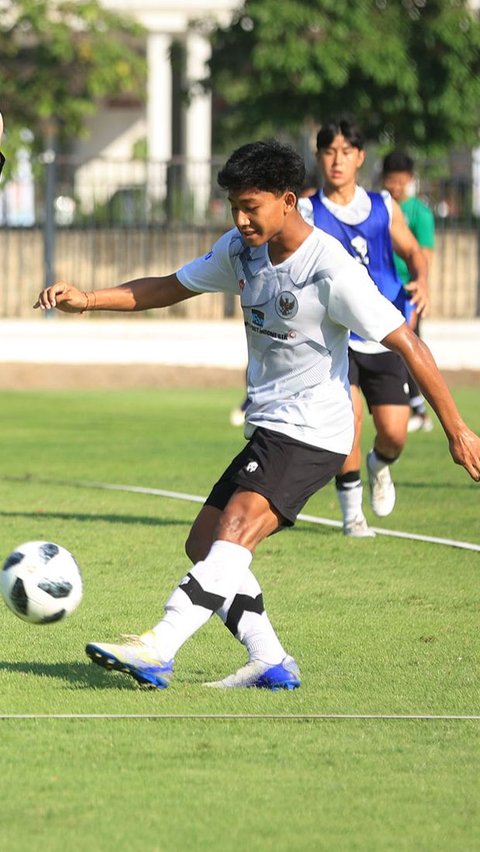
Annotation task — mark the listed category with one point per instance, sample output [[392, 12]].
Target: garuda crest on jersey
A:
[[286, 305]]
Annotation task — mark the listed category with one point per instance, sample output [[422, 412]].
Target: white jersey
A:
[[297, 315], [353, 213]]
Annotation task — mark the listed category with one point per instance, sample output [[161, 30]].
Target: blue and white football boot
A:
[[283, 675], [134, 657]]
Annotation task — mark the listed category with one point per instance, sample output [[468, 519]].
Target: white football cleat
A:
[[283, 675], [358, 528], [135, 657], [420, 423], [382, 489]]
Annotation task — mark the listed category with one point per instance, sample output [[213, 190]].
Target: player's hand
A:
[[465, 450], [419, 297], [62, 296]]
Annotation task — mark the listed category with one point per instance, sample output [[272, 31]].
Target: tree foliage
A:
[[408, 70], [59, 59]]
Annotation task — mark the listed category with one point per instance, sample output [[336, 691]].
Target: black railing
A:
[[101, 222]]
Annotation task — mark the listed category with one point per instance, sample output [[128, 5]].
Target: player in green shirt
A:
[[399, 180]]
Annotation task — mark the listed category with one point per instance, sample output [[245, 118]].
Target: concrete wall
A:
[[95, 258]]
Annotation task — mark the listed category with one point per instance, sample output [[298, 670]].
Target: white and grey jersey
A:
[[297, 315]]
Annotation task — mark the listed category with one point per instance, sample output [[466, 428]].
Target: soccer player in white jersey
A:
[[368, 224], [300, 292]]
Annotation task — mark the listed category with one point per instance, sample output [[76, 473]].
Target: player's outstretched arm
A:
[[464, 444], [138, 295]]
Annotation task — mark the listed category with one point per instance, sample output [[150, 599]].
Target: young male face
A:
[[398, 184], [260, 215], [339, 163]]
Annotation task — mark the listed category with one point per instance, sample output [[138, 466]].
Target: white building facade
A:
[[116, 128]]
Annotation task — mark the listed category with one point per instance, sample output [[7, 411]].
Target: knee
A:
[[397, 447], [390, 445], [391, 437], [396, 441]]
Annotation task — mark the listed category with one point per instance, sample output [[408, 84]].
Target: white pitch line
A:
[[312, 519], [196, 498], [138, 489], [424, 717], [451, 542]]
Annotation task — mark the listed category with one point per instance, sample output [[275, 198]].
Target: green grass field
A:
[[383, 626]]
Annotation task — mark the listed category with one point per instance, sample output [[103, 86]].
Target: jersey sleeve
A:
[[356, 303], [214, 272], [305, 208]]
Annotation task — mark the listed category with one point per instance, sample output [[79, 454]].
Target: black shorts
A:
[[382, 378], [285, 471]]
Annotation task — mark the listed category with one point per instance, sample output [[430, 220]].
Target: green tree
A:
[[408, 70], [59, 59]]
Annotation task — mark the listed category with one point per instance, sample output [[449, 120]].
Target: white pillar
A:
[[159, 111], [198, 124]]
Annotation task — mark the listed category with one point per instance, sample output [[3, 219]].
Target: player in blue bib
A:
[[370, 226], [370, 244]]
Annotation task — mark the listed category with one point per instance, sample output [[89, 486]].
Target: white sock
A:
[[244, 615], [198, 596], [350, 498], [418, 404], [375, 464]]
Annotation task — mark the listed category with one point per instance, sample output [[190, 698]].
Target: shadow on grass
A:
[[86, 675], [320, 529], [89, 517], [78, 675], [447, 486]]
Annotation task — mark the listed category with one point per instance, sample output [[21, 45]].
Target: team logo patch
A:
[[258, 317], [251, 467], [286, 305]]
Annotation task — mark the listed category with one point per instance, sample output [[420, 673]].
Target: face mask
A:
[[411, 188]]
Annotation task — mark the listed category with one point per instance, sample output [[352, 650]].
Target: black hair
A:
[[267, 166], [340, 126], [397, 161]]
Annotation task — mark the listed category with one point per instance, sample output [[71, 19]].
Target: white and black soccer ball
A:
[[41, 582]]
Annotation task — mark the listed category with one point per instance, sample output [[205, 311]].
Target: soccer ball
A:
[[41, 582]]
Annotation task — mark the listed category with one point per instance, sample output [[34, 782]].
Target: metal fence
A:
[[104, 222]]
